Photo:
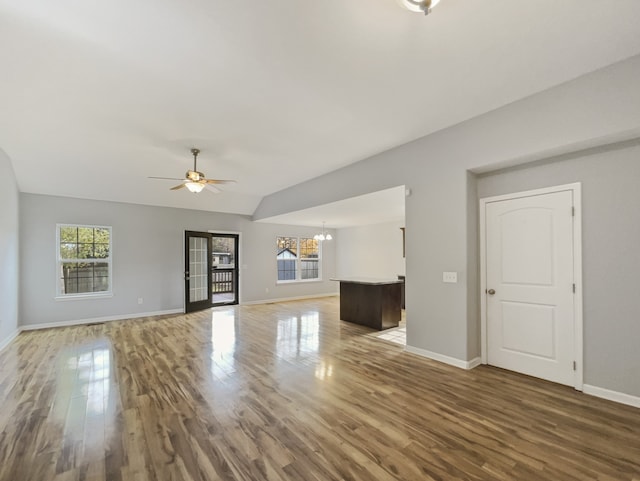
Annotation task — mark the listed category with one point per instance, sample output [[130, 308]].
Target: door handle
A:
[[491, 292], [186, 276]]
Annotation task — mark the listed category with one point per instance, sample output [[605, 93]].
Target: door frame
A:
[[578, 340]]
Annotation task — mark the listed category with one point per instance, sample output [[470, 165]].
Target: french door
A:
[[197, 270], [211, 270]]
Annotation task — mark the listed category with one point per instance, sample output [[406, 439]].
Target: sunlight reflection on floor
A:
[[223, 341]]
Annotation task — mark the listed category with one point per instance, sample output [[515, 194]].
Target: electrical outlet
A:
[[140, 300], [266, 289], [450, 277]]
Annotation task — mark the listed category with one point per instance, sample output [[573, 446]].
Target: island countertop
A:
[[374, 281]]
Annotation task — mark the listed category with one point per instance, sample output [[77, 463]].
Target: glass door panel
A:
[[197, 275], [224, 268]]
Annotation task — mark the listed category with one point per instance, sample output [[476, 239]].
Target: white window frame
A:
[[298, 278], [60, 296]]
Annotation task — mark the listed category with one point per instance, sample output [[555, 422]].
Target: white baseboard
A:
[[284, 299], [452, 361], [616, 396], [8, 340], [77, 322], [475, 362]]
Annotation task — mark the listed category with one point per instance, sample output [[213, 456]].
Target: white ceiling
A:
[[96, 96]]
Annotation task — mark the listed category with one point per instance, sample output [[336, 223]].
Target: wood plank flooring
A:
[[287, 392]]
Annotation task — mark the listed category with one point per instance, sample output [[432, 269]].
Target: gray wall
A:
[[611, 253], [595, 109], [147, 257], [8, 250]]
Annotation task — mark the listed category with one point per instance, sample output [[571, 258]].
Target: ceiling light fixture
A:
[[323, 236], [419, 6], [194, 187]]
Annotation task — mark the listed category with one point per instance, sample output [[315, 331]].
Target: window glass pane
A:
[[101, 236], [101, 251], [286, 269], [71, 286], [68, 234], [85, 277], [309, 269], [69, 278], [68, 242], [288, 243], [100, 277], [309, 255], [308, 248], [85, 251], [85, 234], [287, 258], [68, 250]]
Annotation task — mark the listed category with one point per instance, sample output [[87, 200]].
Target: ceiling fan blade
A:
[[179, 186], [165, 178], [219, 181], [212, 188]]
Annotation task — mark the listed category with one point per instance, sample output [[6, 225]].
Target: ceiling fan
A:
[[195, 181]]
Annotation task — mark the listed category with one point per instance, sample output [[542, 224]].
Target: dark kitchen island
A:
[[370, 302]]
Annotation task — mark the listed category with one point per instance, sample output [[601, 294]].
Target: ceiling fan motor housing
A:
[[194, 175]]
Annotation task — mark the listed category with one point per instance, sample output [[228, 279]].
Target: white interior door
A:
[[530, 285]]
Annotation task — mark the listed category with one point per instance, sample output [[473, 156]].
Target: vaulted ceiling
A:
[[97, 96]]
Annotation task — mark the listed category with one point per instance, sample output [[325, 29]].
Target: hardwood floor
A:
[[287, 392]]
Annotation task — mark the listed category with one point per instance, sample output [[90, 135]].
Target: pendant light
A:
[[322, 236]]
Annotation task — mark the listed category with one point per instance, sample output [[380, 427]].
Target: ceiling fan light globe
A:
[[194, 187], [419, 6]]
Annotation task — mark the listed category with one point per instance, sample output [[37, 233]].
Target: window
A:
[[298, 259], [84, 260]]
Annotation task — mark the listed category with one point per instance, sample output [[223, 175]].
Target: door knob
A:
[[491, 292]]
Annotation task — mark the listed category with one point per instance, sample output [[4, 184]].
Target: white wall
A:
[[441, 223], [147, 257], [370, 251], [8, 251]]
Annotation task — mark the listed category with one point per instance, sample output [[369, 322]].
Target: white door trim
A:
[[577, 270]]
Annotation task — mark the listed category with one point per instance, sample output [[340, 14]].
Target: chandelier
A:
[[322, 236]]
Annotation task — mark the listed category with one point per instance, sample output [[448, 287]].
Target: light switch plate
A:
[[450, 277]]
